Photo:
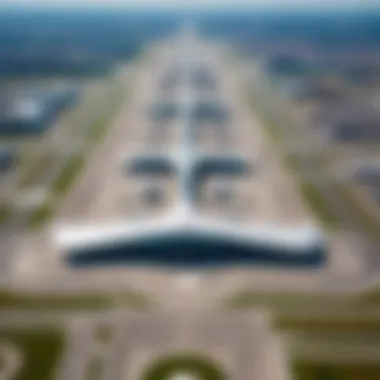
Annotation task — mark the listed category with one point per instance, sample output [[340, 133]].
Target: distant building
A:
[[365, 73], [287, 65], [317, 90], [7, 160], [32, 111], [348, 122], [367, 173]]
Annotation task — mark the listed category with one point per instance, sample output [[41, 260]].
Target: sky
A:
[[199, 3]]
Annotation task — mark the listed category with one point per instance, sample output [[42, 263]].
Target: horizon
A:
[[188, 5]]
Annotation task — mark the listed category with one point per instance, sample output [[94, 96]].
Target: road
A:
[[241, 344]]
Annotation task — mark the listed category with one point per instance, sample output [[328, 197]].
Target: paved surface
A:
[[241, 345], [11, 360], [186, 318], [103, 195]]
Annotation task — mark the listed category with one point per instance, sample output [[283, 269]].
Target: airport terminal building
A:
[[186, 249], [178, 241], [32, 111]]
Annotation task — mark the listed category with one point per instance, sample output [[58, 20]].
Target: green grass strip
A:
[[11, 300], [326, 371], [40, 216], [310, 324], [31, 175], [5, 212], [40, 348], [99, 128], [364, 217], [68, 174]]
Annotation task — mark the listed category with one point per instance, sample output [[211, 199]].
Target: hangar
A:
[[32, 111]]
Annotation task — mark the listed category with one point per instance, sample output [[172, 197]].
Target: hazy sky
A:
[[200, 3]]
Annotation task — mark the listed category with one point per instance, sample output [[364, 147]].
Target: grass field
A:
[[76, 163], [40, 348], [249, 298], [311, 193], [94, 369], [325, 325], [68, 174], [99, 128], [9, 300], [5, 212], [38, 217], [366, 220], [318, 204], [36, 169], [320, 371]]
